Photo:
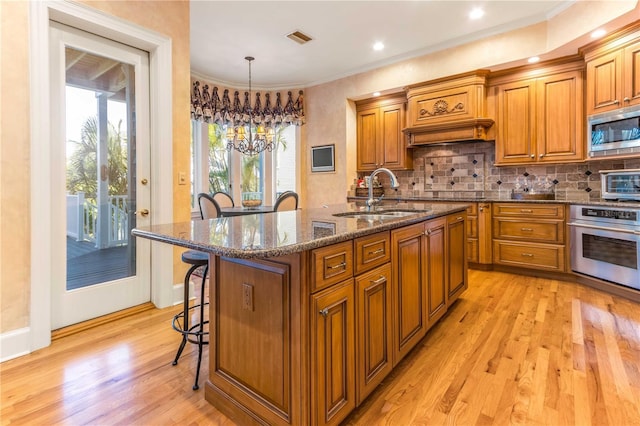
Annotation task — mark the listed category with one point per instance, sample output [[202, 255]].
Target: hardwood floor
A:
[[512, 350]]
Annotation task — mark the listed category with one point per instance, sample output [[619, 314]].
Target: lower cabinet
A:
[[373, 324], [369, 302], [409, 288], [429, 271], [435, 252], [456, 258], [333, 354]]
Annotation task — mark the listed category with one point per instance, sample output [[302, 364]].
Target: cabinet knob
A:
[[626, 99], [616, 101], [533, 156], [324, 312], [144, 212], [541, 155], [427, 232]]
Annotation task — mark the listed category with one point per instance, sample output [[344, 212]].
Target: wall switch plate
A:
[[182, 178]]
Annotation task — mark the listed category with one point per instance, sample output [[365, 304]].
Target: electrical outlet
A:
[[182, 178], [247, 297]]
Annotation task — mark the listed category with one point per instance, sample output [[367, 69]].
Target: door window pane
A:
[[100, 155]]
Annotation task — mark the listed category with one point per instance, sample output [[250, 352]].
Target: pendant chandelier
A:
[[246, 139]]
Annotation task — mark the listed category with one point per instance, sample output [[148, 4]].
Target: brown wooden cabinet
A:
[[539, 114], [333, 386], [374, 329], [529, 235], [366, 302], [436, 274], [409, 288], [613, 71], [429, 273], [380, 141], [456, 258]]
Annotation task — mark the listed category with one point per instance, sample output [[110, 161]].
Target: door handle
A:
[[144, 212]]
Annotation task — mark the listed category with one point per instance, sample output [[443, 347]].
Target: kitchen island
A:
[[311, 309]]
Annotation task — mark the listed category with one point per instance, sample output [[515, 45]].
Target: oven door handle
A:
[[605, 228]]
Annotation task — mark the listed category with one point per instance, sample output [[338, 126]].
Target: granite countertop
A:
[[282, 233], [470, 199]]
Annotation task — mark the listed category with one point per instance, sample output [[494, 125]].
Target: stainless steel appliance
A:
[[614, 130], [605, 243], [620, 184]]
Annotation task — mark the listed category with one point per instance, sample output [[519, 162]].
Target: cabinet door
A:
[[456, 257], [367, 138], [516, 122], [560, 120], [631, 75], [333, 354], [373, 301], [393, 150], [435, 246], [410, 316], [604, 83]]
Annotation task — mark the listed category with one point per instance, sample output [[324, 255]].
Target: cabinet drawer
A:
[[538, 256], [555, 211], [371, 251], [472, 210], [549, 231], [331, 264]]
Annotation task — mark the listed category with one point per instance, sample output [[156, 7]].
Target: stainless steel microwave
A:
[[620, 184], [614, 130]]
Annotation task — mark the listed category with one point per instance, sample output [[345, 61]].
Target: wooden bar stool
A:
[[193, 333]]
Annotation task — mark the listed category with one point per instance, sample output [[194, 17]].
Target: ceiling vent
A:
[[299, 37]]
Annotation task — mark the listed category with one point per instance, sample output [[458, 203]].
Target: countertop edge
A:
[[259, 253]]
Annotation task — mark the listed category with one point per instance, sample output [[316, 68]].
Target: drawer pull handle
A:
[[338, 266], [379, 280], [526, 229], [526, 254], [459, 218], [376, 251], [526, 211]]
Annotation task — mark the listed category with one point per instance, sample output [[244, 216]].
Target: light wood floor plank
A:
[[512, 350]]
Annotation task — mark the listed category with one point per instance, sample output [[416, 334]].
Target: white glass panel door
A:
[[100, 175]]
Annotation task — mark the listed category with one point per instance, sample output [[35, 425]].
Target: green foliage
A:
[[218, 160], [82, 169]]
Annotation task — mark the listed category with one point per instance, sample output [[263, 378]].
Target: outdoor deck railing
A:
[[82, 219]]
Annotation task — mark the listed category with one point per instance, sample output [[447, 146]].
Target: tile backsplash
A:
[[466, 169]]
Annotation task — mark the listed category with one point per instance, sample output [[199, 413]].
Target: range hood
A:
[[451, 109]]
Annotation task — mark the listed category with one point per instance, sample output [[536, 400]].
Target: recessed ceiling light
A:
[[376, 93], [598, 33], [476, 13], [533, 59], [378, 45]]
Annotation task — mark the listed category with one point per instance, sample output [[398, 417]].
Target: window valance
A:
[[224, 106]]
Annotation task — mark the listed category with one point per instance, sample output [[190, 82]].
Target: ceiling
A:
[[343, 32]]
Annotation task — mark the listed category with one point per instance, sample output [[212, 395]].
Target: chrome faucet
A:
[[392, 178]]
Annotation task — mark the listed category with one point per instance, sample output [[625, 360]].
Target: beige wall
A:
[[170, 18], [331, 117]]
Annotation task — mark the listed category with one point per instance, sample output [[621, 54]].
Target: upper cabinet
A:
[[613, 71], [448, 109], [539, 113], [380, 141]]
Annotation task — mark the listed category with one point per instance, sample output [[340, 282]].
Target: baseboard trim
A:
[[85, 325], [15, 343]]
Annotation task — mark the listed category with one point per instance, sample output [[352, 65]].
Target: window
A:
[[263, 176]]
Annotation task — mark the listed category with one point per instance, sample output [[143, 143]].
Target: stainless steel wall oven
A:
[[605, 243]]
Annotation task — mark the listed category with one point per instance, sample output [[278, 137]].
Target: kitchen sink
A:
[[378, 214]]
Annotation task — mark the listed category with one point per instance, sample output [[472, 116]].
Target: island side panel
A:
[[256, 364]]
